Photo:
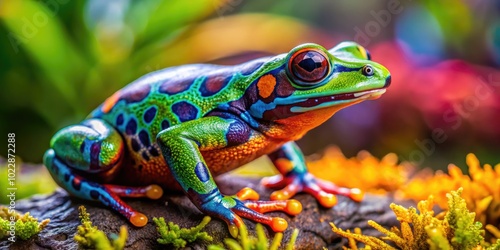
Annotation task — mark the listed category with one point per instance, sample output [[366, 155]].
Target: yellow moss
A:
[[422, 230], [481, 190], [372, 174], [90, 237], [260, 242], [25, 225]]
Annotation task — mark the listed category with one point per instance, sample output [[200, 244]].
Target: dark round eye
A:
[[309, 66], [368, 70]]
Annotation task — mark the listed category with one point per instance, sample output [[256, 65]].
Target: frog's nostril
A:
[[387, 82]]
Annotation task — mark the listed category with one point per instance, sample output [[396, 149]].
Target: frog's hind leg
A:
[[94, 147]]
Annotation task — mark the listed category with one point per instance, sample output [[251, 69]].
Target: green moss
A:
[[25, 225], [261, 242], [463, 232], [178, 237], [90, 237]]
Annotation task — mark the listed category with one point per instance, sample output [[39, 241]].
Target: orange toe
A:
[[154, 192], [247, 194], [138, 219], [293, 207], [278, 224], [327, 200], [280, 195], [356, 194]]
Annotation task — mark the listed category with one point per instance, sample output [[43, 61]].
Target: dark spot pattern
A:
[[185, 111], [135, 145], [165, 124], [94, 194], [131, 127], [201, 172], [144, 138], [154, 152], [213, 84], [135, 93], [283, 87], [119, 120], [145, 155], [95, 150], [150, 114], [173, 87], [66, 177], [237, 133]]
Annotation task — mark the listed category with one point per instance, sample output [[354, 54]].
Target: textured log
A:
[[313, 222]]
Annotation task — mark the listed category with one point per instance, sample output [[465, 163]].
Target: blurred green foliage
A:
[[33, 181], [61, 58]]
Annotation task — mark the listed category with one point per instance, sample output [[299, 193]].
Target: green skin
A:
[[179, 127]]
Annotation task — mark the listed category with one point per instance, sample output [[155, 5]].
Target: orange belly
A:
[[156, 170]]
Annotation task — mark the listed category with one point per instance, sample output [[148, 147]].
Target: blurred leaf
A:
[[36, 29], [203, 43], [168, 16]]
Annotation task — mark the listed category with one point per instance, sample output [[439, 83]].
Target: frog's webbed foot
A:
[[108, 195], [323, 191], [246, 205]]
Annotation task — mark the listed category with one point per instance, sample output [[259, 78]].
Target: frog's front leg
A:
[[94, 148], [294, 178], [181, 146]]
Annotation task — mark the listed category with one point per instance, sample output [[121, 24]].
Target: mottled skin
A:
[[181, 126]]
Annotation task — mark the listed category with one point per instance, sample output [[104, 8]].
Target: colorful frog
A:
[[178, 128]]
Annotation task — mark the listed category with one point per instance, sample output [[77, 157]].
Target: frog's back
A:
[[163, 99], [171, 96]]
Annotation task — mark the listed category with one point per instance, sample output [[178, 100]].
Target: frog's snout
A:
[[387, 81]]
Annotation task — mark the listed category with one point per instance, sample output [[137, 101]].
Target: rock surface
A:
[[313, 222]]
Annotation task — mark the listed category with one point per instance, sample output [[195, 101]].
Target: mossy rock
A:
[[313, 222]]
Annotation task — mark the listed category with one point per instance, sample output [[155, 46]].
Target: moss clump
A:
[[422, 230], [178, 237], [90, 237], [25, 225], [481, 192], [260, 242]]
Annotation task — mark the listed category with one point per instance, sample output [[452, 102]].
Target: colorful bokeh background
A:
[[60, 59]]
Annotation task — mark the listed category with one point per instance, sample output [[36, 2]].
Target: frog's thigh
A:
[[93, 146], [181, 146], [89, 190]]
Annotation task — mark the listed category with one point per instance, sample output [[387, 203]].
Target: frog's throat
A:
[[294, 127], [297, 125]]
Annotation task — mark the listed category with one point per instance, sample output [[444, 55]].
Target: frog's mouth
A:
[[315, 103], [328, 101]]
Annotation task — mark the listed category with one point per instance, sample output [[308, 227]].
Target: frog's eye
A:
[[368, 70], [309, 66]]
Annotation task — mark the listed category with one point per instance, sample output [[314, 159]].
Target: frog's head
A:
[[312, 83]]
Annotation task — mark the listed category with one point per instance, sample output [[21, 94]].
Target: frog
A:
[[178, 128]]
